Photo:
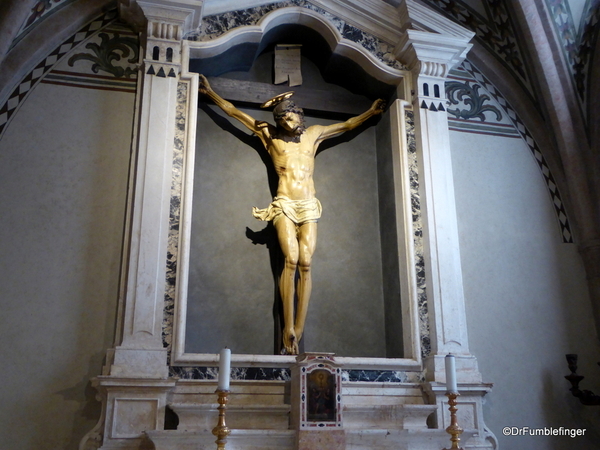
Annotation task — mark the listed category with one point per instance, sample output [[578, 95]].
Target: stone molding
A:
[[378, 68], [374, 17]]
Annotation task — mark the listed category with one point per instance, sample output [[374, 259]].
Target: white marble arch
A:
[[376, 69]]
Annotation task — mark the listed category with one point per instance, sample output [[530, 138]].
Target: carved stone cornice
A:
[[431, 54], [430, 44], [417, 16], [373, 16], [183, 14]]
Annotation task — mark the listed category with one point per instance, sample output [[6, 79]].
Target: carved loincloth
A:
[[298, 211]]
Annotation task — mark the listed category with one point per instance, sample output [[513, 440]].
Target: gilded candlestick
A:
[[221, 431], [453, 430]]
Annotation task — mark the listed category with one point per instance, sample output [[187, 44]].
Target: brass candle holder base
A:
[[453, 430], [221, 431]]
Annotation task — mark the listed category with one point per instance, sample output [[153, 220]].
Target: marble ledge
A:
[[284, 374]]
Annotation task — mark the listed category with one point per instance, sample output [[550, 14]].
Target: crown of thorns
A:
[[283, 105]]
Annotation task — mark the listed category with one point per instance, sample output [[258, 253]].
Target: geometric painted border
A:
[[577, 44], [91, 81], [20, 93], [565, 227]]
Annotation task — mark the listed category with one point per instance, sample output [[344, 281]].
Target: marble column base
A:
[[129, 408]]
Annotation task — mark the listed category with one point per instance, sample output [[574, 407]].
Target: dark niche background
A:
[[232, 292]]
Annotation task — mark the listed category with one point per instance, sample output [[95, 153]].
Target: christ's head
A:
[[289, 117]]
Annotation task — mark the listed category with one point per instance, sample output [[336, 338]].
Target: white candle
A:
[[224, 369], [451, 374]]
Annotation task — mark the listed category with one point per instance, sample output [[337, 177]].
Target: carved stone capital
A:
[[431, 54], [431, 69], [163, 24], [185, 14], [430, 45]]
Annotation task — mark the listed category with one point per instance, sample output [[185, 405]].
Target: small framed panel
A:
[[316, 392]]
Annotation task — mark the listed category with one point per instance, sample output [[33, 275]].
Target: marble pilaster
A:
[[430, 56], [135, 383], [141, 352]]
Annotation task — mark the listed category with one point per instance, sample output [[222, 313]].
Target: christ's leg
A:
[[286, 233], [307, 241]]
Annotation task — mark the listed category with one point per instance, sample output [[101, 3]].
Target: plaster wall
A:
[[525, 292], [64, 161]]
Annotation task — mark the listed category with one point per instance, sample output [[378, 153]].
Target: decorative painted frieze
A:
[[112, 49], [94, 65], [462, 93]]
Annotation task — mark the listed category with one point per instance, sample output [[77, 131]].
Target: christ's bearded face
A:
[[289, 117], [291, 122]]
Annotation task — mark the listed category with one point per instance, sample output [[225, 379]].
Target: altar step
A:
[[265, 405], [237, 440], [375, 416], [384, 439], [401, 417], [197, 417]]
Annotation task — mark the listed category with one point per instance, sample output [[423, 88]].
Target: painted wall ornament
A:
[[110, 50], [295, 209], [458, 92]]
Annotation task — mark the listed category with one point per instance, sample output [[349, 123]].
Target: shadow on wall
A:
[[562, 409], [84, 395]]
